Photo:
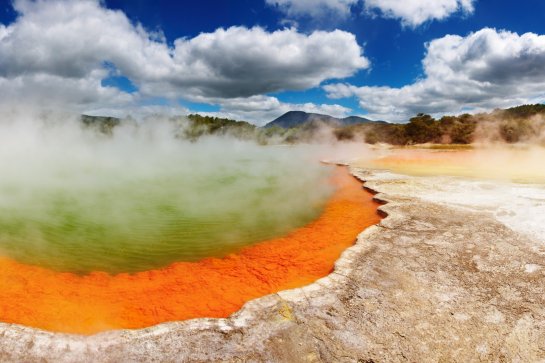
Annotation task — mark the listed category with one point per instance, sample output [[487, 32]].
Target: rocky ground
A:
[[430, 283]]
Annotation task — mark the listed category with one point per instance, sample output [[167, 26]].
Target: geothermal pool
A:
[[140, 228], [212, 287], [82, 216]]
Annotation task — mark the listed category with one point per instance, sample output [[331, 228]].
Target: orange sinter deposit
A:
[[214, 287]]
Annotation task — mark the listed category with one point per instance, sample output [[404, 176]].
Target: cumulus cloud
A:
[[411, 12], [241, 62], [47, 90], [484, 70], [61, 50], [314, 8], [416, 12], [54, 53]]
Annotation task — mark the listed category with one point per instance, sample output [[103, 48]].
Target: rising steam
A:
[[75, 199]]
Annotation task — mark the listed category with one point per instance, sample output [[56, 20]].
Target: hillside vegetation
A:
[[518, 124], [524, 123]]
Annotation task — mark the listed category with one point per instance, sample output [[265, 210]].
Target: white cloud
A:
[[140, 111], [241, 62], [56, 51], [262, 109], [483, 70], [46, 90], [314, 8], [411, 12], [416, 12], [3, 31]]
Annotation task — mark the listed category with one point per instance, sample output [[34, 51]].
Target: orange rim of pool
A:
[[89, 303]]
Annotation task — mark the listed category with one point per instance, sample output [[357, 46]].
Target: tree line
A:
[[524, 123]]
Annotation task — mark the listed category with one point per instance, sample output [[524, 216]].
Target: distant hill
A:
[[521, 124], [297, 118], [353, 120]]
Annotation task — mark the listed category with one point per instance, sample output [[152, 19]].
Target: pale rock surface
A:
[[430, 283]]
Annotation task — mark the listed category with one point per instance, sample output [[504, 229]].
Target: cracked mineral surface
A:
[[433, 282]]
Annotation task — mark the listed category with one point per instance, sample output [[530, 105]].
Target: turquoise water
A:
[[123, 207]]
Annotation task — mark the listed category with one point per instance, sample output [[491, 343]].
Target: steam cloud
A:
[[74, 199]]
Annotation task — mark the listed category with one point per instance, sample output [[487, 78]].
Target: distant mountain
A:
[[297, 118], [352, 120]]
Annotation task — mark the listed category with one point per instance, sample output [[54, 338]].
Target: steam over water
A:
[[75, 200]]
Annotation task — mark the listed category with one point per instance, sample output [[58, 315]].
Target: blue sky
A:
[[396, 51], [386, 70]]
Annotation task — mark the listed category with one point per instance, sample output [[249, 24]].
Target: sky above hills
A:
[[256, 59]]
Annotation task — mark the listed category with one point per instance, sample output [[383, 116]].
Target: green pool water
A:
[[135, 207]]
